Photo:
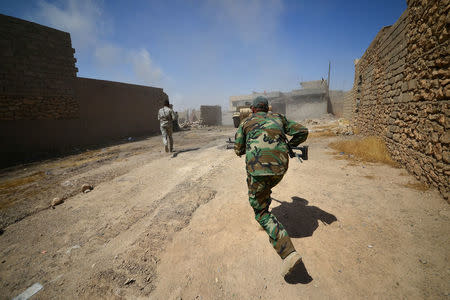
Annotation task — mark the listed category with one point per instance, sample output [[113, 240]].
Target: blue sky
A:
[[203, 51]]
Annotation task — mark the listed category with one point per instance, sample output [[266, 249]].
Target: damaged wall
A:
[[45, 109], [211, 115], [37, 72], [401, 91], [310, 107]]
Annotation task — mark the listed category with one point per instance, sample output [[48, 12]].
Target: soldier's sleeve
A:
[[239, 141], [298, 132], [159, 116], [172, 114]]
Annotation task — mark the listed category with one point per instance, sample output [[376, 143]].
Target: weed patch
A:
[[368, 149], [419, 186]]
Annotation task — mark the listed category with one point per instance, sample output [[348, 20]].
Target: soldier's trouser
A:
[[167, 137], [259, 190]]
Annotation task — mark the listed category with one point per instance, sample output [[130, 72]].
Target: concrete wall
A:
[[402, 91], [45, 109], [112, 109], [211, 115], [307, 108], [337, 103], [109, 111]]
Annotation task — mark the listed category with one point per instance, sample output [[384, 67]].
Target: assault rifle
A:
[[301, 157]]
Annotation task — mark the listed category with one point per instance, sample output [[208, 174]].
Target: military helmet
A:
[[260, 102]]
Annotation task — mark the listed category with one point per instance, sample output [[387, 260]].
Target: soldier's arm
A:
[[159, 115], [172, 114], [298, 131], [239, 143]]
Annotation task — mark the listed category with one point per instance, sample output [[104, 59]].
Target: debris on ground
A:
[[86, 188], [29, 292], [56, 201], [129, 281]]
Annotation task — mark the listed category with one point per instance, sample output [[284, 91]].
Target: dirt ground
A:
[[180, 227]]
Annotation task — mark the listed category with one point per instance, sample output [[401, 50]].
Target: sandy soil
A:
[[163, 227]]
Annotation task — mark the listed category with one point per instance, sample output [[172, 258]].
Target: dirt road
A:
[[163, 227]]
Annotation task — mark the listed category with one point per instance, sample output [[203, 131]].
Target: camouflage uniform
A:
[[262, 137], [166, 117]]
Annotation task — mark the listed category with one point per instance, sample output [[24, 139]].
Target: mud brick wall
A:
[[402, 91], [37, 71], [211, 115]]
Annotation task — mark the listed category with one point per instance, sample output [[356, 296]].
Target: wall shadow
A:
[[299, 219]]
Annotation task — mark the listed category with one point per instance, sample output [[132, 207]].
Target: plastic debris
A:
[[29, 292]]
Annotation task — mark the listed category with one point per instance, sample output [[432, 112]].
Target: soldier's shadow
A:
[[300, 220]]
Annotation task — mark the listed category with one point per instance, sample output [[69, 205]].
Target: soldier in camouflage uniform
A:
[[166, 117], [262, 138]]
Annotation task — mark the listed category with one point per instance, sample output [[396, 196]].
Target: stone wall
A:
[[348, 109], [37, 71], [402, 91], [211, 115]]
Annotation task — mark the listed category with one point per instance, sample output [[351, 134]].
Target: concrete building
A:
[[311, 101]]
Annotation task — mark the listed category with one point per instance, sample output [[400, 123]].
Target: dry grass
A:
[[324, 133], [419, 186], [369, 176], [328, 126], [368, 149]]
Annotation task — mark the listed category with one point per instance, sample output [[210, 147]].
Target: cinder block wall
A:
[[402, 91], [211, 115], [45, 109], [37, 71]]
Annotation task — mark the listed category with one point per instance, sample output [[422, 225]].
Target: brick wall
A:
[[37, 70], [401, 91], [211, 115]]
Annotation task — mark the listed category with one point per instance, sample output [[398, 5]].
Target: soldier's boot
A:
[[290, 262], [166, 148]]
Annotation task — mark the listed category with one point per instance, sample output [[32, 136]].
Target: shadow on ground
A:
[[300, 220], [175, 153]]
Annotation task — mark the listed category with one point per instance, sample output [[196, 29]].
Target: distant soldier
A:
[[166, 117], [176, 126], [262, 138]]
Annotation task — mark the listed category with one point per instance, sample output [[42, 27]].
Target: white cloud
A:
[[251, 20], [143, 66], [107, 54], [85, 22], [80, 18]]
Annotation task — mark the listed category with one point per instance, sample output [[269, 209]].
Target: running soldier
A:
[[262, 138], [166, 117]]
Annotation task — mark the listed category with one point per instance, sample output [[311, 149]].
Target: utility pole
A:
[[328, 80], [329, 106]]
